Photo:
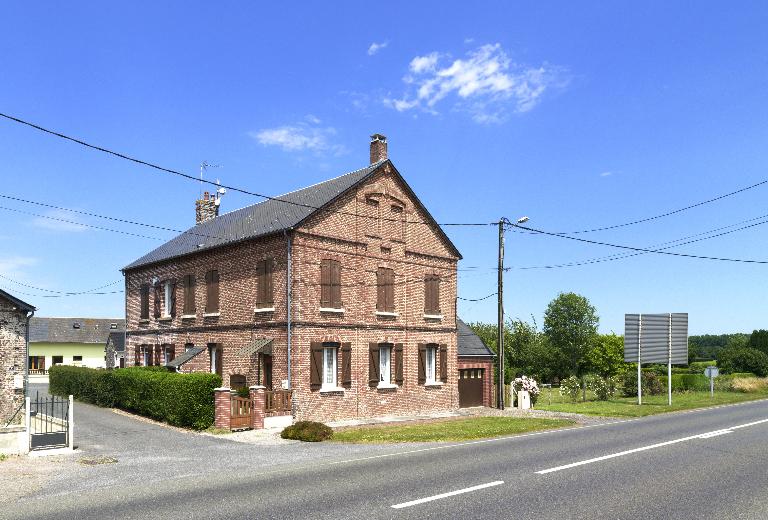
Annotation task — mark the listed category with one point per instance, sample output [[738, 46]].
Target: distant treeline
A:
[[707, 346]]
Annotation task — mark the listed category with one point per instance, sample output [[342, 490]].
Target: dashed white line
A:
[[446, 495]]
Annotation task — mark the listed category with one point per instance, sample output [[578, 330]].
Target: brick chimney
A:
[[206, 208], [378, 148]]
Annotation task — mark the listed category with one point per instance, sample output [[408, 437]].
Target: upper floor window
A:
[[264, 286], [189, 294], [169, 298], [432, 295], [385, 290], [330, 284], [144, 292], [212, 291]]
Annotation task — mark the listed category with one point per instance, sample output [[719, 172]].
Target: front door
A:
[[268, 371], [471, 387]]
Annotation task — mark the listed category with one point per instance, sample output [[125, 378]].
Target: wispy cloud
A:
[[376, 47], [307, 135], [58, 220], [11, 266], [606, 174], [485, 83]]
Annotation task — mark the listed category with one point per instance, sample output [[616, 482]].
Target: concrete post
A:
[[28, 422], [223, 404], [259, 405], [71, 419]]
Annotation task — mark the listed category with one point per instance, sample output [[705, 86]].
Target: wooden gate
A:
[[278, 402], [241, 411]]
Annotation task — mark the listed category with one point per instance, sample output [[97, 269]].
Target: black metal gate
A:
[[49, 422]]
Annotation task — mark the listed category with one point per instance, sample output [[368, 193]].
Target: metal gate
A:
[[471, 387], [49, 422]]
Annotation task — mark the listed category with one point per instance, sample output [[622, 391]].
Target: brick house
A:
[[343, 292], [14, 324]]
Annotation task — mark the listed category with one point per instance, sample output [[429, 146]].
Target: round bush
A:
[[570, 387], [651, 384], [744, 359], [307, 431]]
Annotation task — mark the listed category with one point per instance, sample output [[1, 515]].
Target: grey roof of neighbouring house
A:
[[265, 218], [63, 330], [118, 340], [470, 343], [24, 306]]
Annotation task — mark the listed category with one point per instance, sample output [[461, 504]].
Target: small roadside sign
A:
[[711, 372]]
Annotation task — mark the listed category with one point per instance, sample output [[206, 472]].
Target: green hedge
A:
[[687, 382], [184, 400]]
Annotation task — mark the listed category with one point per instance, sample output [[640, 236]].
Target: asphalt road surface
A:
[[702, 464]]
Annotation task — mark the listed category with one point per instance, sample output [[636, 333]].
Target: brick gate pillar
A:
[[223, 402], [258, 406]]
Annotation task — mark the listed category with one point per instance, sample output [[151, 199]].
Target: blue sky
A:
[[578, 116]]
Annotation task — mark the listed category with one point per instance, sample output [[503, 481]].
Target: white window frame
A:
[[430, 370], [385, 365], [167, 302], [145, 356], [214, 359], [330, 355]]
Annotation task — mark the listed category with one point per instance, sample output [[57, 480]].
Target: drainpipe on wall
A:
[[288, 281], [26, 357]]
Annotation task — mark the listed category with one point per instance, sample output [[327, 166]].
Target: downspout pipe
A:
[[288, 283], [26, 356]]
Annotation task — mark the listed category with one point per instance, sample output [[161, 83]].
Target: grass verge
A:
[[447, 430], [652, 404]]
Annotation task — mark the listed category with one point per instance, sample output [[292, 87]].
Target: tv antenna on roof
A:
[[204, 167]]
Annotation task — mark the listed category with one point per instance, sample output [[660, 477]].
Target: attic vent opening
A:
[[76, 325], [113, 326]]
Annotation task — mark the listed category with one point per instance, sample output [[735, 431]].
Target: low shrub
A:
[[651, 384], [527, 384], [604, 389], [307, 431], [570, 387], [184, 400], [686, 382]]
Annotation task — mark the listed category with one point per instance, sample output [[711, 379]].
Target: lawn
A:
[[447, 430], [652, 404]]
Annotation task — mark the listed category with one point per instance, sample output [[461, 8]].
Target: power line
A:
[[476, 299], [68, 293], [657, 251], [232, 188]]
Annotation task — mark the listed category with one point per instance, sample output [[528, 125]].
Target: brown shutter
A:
[[219, 359], [336, 284], [212, 286], [346, 364], [158, 355], [144, 301], [137, 356], [157, 300], [173, 298], [398, 364], [422, 363], [444, 363], [189, 294], [325, 283], [427, 294], [381, 295], [260, 289], [436, 294], [390, 290], [315, 365], [171, 353], [374, 375]]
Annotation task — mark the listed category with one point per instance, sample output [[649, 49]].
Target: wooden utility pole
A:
[[500, 292]]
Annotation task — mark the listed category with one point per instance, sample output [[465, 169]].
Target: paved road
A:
[[654, 467]]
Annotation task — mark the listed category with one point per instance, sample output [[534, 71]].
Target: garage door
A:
[[471, 387]]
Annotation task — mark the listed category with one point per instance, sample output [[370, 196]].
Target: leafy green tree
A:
[[743, 360], [759, 340], [606, 357], [570, 326]]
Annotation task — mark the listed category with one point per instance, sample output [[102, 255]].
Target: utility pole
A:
[[500, 292]]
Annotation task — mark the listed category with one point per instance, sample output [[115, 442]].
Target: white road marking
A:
[[706, 435], [446, 495]]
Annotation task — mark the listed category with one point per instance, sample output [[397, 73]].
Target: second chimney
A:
[[378, 148], [206, 208]]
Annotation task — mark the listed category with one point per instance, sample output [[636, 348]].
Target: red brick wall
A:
[[486, 364], [411, 250]]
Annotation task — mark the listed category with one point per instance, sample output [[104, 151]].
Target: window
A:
[[76, 325], [189, 294], [329, 366], [385, 371], [57, 360], [169, 352], [432, 295], [113, 326], [217, 358], [430, 364], [167, 298], [264, 289], [385, 293], [146, 355], [212, 291], [188, 346], [330, 284], [144, 315], [37, 362], [77, 358]]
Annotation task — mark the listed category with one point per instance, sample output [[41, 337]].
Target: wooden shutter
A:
[[381, 295], [432, 294], [260, 284], [389, 291], [422, 363], [325, 283], [144, 302], [398, 364], [336, 284], [137, 356], [346, 364], [158, 355], [157, 300], [189, 294], [212, 289], [269, 269], [373, 364], [173, 298], [444, 363], [170, 353], [219, 358], [316, 366]]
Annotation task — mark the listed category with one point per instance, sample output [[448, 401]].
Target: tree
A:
[[606, 357], [732, 360], [759, 340], [570, 326]]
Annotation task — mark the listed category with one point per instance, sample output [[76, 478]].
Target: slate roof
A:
[[24, 306], [62, 330], [118, 340], [262, 219], [184, 357], [470, 343]]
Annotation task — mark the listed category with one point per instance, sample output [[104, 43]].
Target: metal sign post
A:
[[639, 371], [669, 364], [711, 372]]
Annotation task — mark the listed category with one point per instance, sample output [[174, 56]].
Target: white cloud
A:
[[59, 220], [303, 136], [11, 266], [606, 174], [486, 83], [376, 47]]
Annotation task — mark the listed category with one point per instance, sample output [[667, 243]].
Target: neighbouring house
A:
[[14, 325], [343, 292], [69, 341], [475, 362], [114, 351]]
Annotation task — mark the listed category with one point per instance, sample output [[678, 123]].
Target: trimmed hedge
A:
[[184, 400], [686, 382]]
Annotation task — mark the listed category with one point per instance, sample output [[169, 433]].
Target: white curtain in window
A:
[[384, 357], [329, 366], [431, 364]]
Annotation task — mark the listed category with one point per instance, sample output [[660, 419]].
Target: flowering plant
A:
[[527, 384], [570, 387]]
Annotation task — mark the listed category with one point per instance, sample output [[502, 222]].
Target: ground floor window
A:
[[217, 358], [146, 355], [37, 362], [329, 366], [57, 360], [77, 360], [385, 371], [169, 352], [431, 359]]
